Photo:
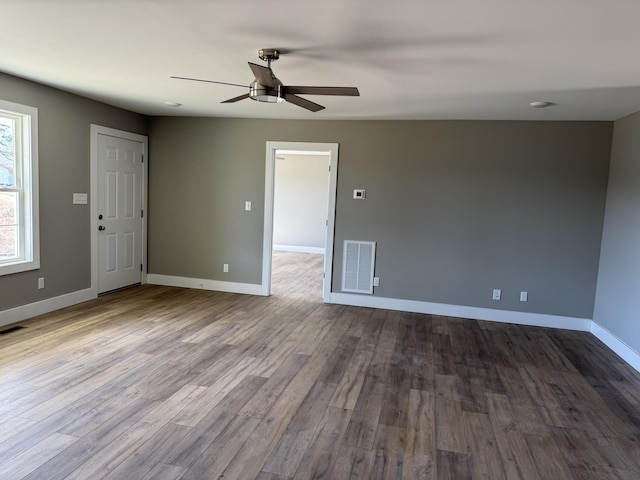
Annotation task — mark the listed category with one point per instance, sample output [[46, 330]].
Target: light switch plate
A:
[[79, 198]]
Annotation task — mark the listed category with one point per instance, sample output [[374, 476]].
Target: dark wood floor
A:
[[169, 383]]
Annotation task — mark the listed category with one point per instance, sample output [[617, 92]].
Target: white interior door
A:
[[119, 212]]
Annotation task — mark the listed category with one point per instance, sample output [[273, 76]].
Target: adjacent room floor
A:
[[169, 383]]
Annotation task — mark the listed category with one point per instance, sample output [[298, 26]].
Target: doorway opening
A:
[[300, 192], [300, 203]]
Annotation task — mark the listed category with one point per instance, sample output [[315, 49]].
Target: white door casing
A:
[[118, 199], [332, 150]]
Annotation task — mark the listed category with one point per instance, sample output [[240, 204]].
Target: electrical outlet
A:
[[376, 281], [247, 206], [497, 293], [524, 296], [40, 283], [359, 194], [225, 268]]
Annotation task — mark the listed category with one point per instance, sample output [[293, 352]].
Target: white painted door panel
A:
[[119, 212]]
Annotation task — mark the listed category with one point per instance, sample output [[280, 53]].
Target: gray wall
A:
[[617, 306], [300, 200], [457, 207], [63, 129]]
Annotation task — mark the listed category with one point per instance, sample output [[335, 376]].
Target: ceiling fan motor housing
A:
[[262, 93]]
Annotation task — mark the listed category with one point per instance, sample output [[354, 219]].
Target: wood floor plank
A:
[[207, 430], [271, 476], [450, 435], [167, 383], [388, 461], [107, 459], [70, 395], [577, 449], [618, 453], [363, 425], [336, 365], [485, 461], [264, 398], [350, 385], [12, 426], [515, 455], [551, 463], [32, 458], [258, 447], [321, 456], [213, 462], [538, 382], [91, 443], [227, 379], [150, 453], [527, 413], [163, 471], [397, 380], [452, 466], [300, 432], [420, 449], [353, 463]]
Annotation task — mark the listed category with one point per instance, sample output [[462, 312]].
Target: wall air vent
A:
[[357, 266]]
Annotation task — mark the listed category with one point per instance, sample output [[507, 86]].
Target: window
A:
[[19, 235]]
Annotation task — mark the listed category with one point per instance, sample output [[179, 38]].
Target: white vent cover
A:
[[357, 266]]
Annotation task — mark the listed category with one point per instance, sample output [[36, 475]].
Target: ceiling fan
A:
[[267, 88]]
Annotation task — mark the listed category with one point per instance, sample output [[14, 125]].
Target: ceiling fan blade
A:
[[236, 99], [264, 75], [209, 81], [342, 91], [302, 102]]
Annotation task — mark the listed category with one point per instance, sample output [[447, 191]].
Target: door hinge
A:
[[323, 275], [141, 213], [142, 158], [140, 267]]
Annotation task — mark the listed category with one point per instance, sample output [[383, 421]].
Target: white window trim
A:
[[31, 186]]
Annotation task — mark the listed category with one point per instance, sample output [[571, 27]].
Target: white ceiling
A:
[[410, 59]]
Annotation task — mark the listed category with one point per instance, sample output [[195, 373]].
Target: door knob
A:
[[101, 228]]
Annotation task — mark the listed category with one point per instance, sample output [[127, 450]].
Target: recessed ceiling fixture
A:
[[173, 104], [540, 104]]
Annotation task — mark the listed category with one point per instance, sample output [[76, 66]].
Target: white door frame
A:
[[93, 196], [332, 150]]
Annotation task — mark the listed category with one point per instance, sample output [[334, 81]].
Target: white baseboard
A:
[[476, 313], [30, 310], [623, 350], [205, 284], [299, 248]]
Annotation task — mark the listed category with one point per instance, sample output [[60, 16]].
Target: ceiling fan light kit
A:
[[266, 87], [262, 93]]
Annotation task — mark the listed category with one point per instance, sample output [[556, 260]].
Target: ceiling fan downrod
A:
[[268, 55]]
